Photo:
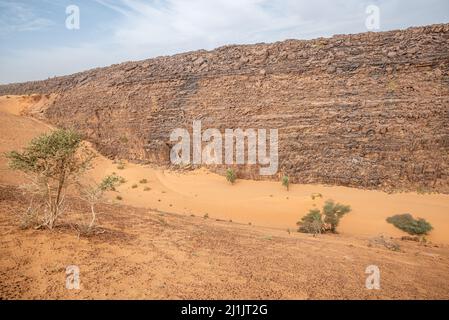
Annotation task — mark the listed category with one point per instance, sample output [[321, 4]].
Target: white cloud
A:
[[150, 28], [18, 17]]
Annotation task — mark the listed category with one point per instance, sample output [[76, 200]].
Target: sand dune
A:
[[261, 203], [17, 130]]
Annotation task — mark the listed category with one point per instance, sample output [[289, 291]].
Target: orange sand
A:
[[262, 203]]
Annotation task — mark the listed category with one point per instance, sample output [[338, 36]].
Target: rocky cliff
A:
[[367, 110]]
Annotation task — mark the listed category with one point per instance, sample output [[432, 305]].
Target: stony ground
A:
[[152, 255]]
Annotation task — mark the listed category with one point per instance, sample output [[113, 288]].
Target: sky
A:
[[40, 39]]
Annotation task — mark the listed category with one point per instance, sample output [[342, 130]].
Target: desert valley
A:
[[366, 130]]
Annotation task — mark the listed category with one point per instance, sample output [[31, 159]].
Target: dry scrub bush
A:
[[30, 218], [312, 222], [316, 195], [52, 162], [121, 165], [93, 193]]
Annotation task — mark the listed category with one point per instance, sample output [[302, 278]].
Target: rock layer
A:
[[368, 110]]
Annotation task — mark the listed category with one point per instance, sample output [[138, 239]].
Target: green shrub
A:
[[407, 223], [314, 223], [333, 212], [311, 223], [121, 165], [110, 182], [53, 161], [231, 176], [286, 182]]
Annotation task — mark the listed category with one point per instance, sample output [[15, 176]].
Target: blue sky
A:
[[35, 43]]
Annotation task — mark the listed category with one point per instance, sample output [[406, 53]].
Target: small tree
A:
[[333, 212], [311, 223], [52, 162], [94, 193], [231, 176], [407, 223], [286, 182]]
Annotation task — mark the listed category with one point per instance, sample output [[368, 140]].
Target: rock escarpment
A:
[[367, 110]]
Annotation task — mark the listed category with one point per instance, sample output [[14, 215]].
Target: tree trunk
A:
[[93, 217]]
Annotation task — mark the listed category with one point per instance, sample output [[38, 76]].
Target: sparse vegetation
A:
[[311, 223], [143, 181], [146, 189], [231, 175], [110, 182], [119, 197], [206, 216], [392, 86], [412, 226], [94, 193], [134, 186], [424, 190], [286, 182], [30, 217], [333, 212], [53, 162], [316, 195], [385, 242], [121, 165], [162, 221], [327, 220]]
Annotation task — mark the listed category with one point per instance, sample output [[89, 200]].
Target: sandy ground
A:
[[149, 254], [267, 203], [16, 131], [144, 254]]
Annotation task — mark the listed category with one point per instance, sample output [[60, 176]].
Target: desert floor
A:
[[156, 243]]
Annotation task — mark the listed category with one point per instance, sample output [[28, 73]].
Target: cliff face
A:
[[368, 110]]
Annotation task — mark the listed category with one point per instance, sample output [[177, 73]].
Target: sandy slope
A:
[[143, 254], [261, 203], [16, 130]]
